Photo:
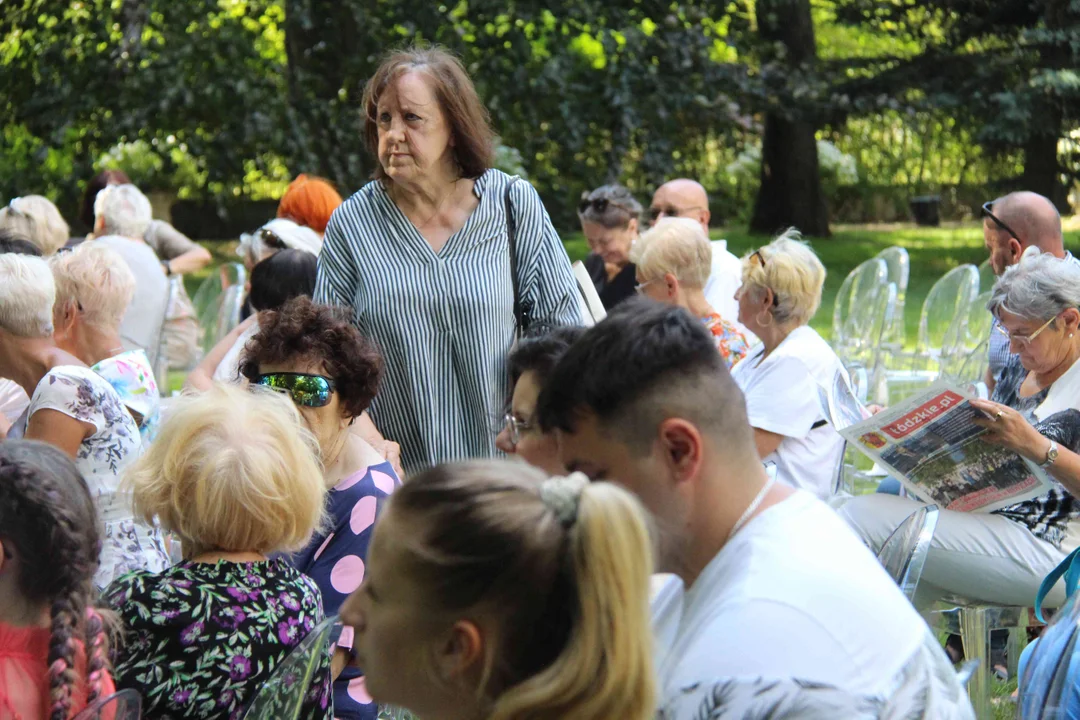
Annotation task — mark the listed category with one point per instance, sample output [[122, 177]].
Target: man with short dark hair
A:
[[773, 583], [1012, 224]]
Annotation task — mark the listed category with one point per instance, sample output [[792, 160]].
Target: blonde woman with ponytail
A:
[[494, 592]]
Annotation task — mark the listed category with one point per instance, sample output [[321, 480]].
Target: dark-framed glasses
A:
[[987, 211], [1023, 340], [515, 426], [306, 390], [757, 257], [272, 239], [600, 205], [659, 211]]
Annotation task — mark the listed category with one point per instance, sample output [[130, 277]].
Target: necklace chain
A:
[[752, 507]]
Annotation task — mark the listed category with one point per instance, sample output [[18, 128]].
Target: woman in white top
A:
[[1001, 557], [74, 409], [781, 291]]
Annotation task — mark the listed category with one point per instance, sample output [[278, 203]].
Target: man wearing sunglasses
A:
[[1011, 224], [687, 199]]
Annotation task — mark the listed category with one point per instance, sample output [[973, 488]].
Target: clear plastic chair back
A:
[[898, 268], [850, 314], [282, 695], [905, 551], [945, 310], [122, 705]]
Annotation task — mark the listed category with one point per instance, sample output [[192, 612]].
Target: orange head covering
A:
[[309, 201]]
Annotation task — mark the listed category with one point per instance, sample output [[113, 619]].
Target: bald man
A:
[[687, 199], [1012, 224]]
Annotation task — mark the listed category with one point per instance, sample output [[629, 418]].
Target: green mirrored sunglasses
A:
[[304, 389]]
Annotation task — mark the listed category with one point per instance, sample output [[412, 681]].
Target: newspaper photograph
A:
[[930, 444]]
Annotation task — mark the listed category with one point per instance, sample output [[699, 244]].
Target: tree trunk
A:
[[324, 125], [1042, 172], [791, 192]]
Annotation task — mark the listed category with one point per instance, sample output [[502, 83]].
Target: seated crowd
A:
[[666, 541]]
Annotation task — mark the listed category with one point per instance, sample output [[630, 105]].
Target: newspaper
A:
[[930, 444]]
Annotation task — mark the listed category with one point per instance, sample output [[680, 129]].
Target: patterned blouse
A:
[[201, 639], [1047, 516], [78, 392], [729, 341], [335, 561], [132, 376]]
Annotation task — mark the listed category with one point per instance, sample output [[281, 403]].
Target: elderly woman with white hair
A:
[[35, 219], [94, 288], [74, 409], [674, 261], [1002, 557], [781, 291], [122, 214]]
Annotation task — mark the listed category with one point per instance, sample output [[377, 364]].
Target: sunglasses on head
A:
[[304, 389], [987, 211], [272, 239], [600, 205]]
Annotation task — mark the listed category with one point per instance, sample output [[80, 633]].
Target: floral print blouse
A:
[[132, 376], [201, 639], [729, 341], [78, 392]]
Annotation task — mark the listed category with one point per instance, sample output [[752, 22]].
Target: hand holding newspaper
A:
[[930, 444]]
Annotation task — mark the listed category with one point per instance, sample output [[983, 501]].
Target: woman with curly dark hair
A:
[[315, 355], [52, 642]]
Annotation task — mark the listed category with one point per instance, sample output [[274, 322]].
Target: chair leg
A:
[[976, 638], [1017, 643]]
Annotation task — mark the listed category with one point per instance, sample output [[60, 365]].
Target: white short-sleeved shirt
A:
[[140, 328], [725, 279], [782, 397], [228, 370], [796, 595], [78, 392], [13, 399]]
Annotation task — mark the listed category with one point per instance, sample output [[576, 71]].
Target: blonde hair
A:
[[36, 219], [233, 469], [678, 246], [124, 210], [27, 294], [97, 280], [570, 595], [789, 268]]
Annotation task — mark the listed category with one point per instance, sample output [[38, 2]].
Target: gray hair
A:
[[1038, 287], [27, 294], [124, 209], [611, 206]]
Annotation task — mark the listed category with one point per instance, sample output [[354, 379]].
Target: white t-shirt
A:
[[1064, 394], [724, 280], [796, 595], [228, 370], [13, 399], [141, 327], [782, 397]]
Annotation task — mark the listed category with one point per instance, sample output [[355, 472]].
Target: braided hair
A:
[[46, 513]]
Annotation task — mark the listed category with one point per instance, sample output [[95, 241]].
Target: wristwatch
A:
[[1051, 455]]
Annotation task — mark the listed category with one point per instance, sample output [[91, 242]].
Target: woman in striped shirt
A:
[[421, 255]]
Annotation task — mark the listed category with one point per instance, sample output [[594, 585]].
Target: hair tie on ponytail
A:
[[563, 495]]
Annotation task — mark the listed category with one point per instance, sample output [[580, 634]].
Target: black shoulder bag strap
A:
[[520, 320]]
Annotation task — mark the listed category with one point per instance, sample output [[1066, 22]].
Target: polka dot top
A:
[[335, 561]]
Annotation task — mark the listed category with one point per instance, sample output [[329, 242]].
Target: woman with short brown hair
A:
[[422, 255]]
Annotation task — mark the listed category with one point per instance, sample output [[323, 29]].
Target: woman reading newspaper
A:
[[1001, 557]]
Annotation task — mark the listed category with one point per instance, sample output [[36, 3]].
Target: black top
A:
[[611, 292]]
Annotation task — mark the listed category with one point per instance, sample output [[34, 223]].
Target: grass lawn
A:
[[933, 252]]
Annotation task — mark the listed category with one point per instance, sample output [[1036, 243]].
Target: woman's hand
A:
[[1008, 428]]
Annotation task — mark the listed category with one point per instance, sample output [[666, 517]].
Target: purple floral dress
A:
[[201, 639]]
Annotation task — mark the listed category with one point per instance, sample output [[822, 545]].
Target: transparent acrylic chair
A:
[[987, 278], [217, 303], [973, 335], [122, 705], [851, 314], [1049, 689], [905, 551], [941, 327], [282, 695], [898, 267]]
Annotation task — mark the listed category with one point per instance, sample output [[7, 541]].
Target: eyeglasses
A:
[[305, 390], [756, 255], [640, 287], [986, 210], [655, 213], [1023, 339], [272, 239], [515, 427]]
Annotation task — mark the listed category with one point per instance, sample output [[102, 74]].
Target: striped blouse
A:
[[444, 320]]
